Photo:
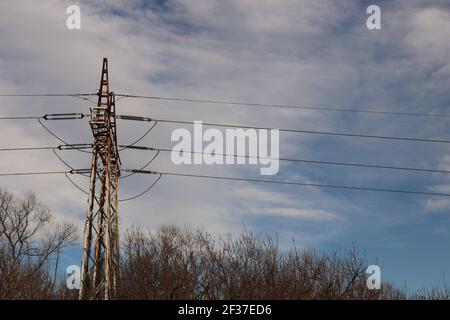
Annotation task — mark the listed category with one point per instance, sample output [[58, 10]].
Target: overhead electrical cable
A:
[[32, 173], [304, 131], [293, 183], [58, 138], [264, 105], [336, 163], [143, 192]]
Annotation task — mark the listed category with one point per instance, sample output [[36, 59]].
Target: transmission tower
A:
[[100, 260]]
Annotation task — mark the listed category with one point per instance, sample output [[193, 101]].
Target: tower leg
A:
[[85, 283]]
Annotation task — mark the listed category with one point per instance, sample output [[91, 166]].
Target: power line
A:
[[143, 136], [50, 116], [66, 163], [143, 167], [237, 103], [319, 185], [329, 133], [60, 147], [119, 200], [143, 192], [133, 147], [75, 185], [27, 149], [82, 96], [50, 95], [60, 139], [37, 173], [263, 105], [364, 165], [236, 179], [20, 118]]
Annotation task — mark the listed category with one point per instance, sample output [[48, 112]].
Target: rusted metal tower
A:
[[100, 261]]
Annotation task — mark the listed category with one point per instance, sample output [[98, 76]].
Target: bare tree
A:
[[29, 239], [176, 263]]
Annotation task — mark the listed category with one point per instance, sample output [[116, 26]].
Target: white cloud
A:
[[441, 231], [437, 204], [308, 214]]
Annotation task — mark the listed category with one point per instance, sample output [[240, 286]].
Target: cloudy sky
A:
[[308, 53]]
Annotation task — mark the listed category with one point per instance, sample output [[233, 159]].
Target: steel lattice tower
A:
[[100, 261]]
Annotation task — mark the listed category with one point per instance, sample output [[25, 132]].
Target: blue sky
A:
[[314, 53]]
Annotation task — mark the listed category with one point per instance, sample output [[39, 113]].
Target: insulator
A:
[[141, 171], [134, 118], [137, 147], [80, 171], [75, 146], [63, 116]]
